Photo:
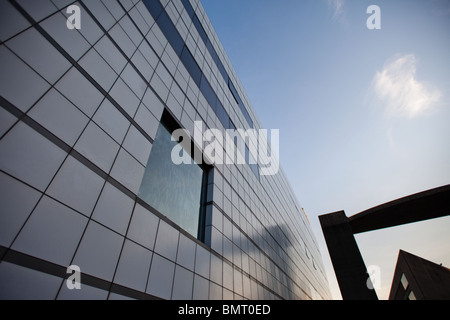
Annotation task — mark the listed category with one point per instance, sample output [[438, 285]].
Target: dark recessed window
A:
[[191, 65], [200, 29], [154, 7], [190, 11], [240, 103], [170, 31], [222, 115], [176, 191], [208, 93]]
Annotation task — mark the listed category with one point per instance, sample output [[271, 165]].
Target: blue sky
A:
[[363, 114]]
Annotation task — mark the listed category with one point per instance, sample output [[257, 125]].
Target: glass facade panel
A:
[[191, 66], [154, 7], [171, 33], [209, 93], [404, 282], [222, 115], [176, 191], [200, 29]]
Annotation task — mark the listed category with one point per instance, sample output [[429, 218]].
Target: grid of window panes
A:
[[79, 116]]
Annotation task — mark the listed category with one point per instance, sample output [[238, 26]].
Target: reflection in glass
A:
[[176, 191], [404, 282]]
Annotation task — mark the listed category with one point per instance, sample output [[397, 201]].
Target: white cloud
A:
[[337, 6], [402, 94]]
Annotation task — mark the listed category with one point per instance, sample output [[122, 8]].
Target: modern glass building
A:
[[90, 93]]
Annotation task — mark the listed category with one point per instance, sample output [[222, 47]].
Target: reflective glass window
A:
[[404, 282], [222, 115], [176, 191], [191, 65], [171, 33], [154, 7], [187, 5], [200, 29], [208, 93]]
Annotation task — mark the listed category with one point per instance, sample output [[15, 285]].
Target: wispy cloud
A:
[[401, 93], [337, 8]]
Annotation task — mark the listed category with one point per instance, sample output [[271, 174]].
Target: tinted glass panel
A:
[[223, 115], [233, 91], [200, 29], [222, 70], [188, 7], [404, 282], [251, 162], [213, 53], [171, 33], [209, 93], [154, 7], [246, 115], [174, 190], [191, 66], [239, 102]]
